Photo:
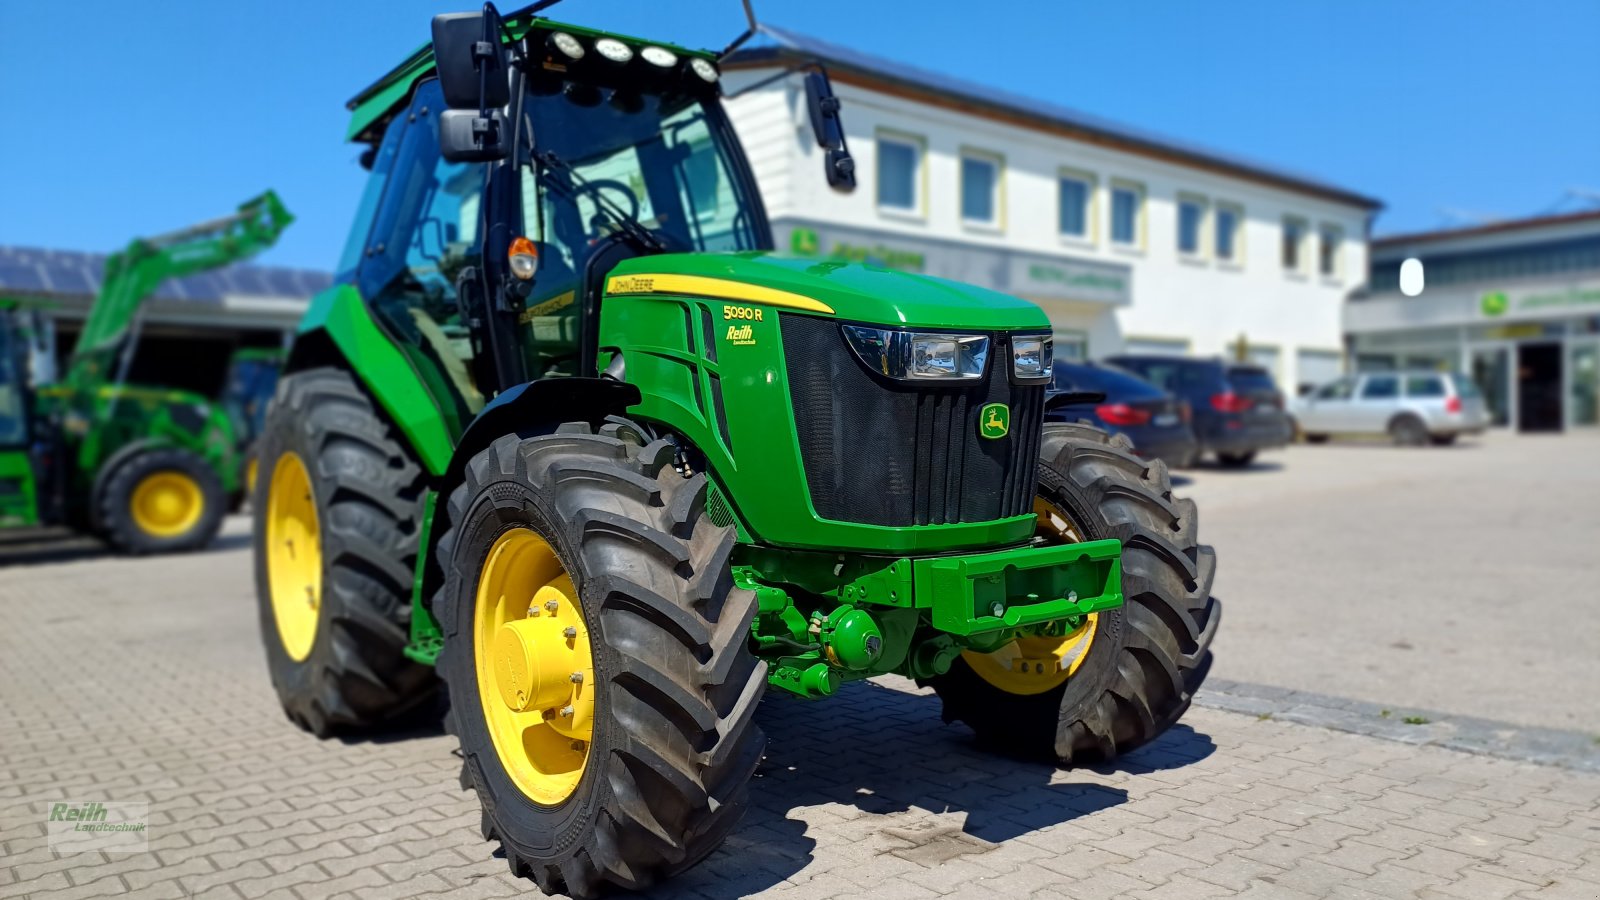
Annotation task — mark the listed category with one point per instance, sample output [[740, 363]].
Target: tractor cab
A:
[[487, 258]]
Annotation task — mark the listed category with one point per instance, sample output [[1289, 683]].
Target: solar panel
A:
[[68, 273]]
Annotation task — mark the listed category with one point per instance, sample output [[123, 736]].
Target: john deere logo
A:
[[1495, 303], [803, 241], [994, 420]]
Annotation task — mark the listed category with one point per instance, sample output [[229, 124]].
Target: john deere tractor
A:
[[568, 444], [149, 468]]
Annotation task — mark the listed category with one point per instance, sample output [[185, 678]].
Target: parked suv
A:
[[1156, 421], [1413, 408], [1237, 409]]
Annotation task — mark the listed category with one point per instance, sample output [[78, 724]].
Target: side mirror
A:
[[470, 59], [838, 164], [472, 76]]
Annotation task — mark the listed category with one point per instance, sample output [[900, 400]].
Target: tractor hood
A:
[[857, 292]]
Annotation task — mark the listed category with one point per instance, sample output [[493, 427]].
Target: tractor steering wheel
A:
[[595, 186]]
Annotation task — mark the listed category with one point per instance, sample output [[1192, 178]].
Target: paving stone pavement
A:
[[143, 680]]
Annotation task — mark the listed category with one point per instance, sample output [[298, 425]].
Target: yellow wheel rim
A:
[[1035, 664], [534, 665], [166, 504], [294, 556]]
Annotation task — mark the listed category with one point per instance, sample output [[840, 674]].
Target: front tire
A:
[[635, 766], [165, 500], [1133, 675], [336, 511]]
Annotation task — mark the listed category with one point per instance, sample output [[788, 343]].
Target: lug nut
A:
[[552, 605], [578, 746], [566, 712], [576, 678], [570, 631]]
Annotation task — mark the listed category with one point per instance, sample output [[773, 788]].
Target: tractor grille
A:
[[880, 452]]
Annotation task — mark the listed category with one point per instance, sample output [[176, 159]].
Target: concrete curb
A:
[[1545, 746]]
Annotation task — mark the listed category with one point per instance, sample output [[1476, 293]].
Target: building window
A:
[[1294, 238], [981, 180], [900, 173], [1127, 214], [1191, 224], [1330, 238], [1076, 193], [1227, 223]]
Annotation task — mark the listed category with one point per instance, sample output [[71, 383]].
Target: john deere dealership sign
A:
[[1023, 274], [1575, 298]]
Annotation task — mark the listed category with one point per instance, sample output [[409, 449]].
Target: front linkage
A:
[[828, 618]]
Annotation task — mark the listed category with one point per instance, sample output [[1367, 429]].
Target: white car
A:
[[1412, 408]]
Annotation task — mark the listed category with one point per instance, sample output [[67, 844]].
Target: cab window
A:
[[428, 229]]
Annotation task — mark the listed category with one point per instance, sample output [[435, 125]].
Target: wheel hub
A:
[[166, 504], [534, 665]]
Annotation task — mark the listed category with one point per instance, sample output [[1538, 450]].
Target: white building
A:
[[1129, 241], [1516, 304]]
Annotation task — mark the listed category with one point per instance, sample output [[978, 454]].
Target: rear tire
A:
[[1236, 460], [1316, 438], [1408, 431], [1443, 440], [137, 521], [366, 491], [1146, 659], [671, 743]]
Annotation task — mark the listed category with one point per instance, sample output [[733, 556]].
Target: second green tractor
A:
[[567, 447]]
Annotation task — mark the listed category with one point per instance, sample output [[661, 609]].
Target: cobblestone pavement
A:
[[143, 680]]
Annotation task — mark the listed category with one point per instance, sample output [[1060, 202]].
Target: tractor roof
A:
[[373, 106]]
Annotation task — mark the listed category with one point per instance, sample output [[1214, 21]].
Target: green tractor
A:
[[569, 446], [149, 469]]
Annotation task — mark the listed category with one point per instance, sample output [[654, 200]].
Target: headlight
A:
[[1032, 356], [659, 56], [919, 356], [567, 45], [613, 49], [704, 69]]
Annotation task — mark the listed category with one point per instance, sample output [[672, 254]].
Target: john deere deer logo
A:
[[994, 420]]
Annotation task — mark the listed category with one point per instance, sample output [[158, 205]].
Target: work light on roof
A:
[[613, 49], [704, 69], [567, 45], [659, 56]]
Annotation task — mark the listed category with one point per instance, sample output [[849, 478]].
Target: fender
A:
[[539, 407], [339, 329], [536, 407]]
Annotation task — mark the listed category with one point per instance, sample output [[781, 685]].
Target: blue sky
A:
[[157, 117]]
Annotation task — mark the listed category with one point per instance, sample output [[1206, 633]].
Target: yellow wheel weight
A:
[[1035, 664], [166, 504], [534, 667], [294, 556]]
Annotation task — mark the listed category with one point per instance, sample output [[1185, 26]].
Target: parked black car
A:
[[1238, 410], [1156, 422]]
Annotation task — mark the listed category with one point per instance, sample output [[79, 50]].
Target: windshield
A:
[[666, 161]]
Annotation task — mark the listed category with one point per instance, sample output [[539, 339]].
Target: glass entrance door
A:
[[1583, 407], [1491, 371]]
